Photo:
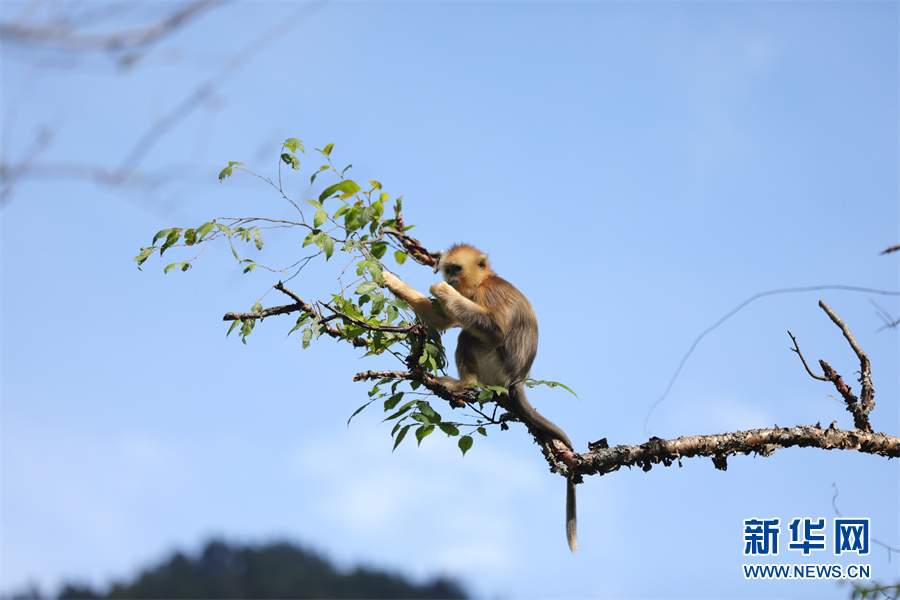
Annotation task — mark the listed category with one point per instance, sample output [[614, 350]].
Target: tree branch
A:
[[299, 305], [601, 459], [865, 371]]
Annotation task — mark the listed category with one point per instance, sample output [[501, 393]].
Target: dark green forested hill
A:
[[278, 570]]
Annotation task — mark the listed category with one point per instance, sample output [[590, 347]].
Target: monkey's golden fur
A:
[[498, 341]]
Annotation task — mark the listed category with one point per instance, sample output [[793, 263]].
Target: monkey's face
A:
[[452, 273], [464, 268]]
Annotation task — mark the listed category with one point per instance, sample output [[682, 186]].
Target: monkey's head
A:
[[464, 267]]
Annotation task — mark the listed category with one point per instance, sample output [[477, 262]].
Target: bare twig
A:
[[892, 249], [885, 316], [796, 349], [56, 37], [268, 312]]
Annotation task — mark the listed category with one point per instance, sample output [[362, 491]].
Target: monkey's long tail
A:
[[539, 421], [571, 520]]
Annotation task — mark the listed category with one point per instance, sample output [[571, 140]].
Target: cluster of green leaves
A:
[[193, 236], [349, 219], [418, 413]]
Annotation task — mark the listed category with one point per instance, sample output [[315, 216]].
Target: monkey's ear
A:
[[483, 261], [437, 256]]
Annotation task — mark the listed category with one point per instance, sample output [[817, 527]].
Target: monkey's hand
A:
[[391, 281], [419, 303], [441, 289]]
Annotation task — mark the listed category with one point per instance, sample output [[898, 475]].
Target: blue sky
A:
[[636, 169]]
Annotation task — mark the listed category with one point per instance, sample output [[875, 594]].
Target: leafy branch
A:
[[363, 224]]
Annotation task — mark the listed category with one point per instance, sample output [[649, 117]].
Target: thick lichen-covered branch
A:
[[602, 459]]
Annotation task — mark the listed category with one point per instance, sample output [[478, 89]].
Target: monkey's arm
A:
[[420, 303], [481, 321]]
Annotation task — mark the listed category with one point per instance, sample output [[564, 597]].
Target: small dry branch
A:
[[858, 407]]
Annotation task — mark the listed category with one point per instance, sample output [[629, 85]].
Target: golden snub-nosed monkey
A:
[[498, 341]]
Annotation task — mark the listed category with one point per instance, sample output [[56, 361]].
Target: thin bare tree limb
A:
[[796, 349], [60, 37]]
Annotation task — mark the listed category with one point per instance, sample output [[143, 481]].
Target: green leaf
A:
[[292, 160], [171, 239], [301, 321], [482, 431], [328, 246], [294, 144], [316, 204], [366, 287], [316, 174], [321, 239], [400, 257], [357, 411], [533, 383], [379, 248], [143, 256], [423, 432], [247, 329], [391, 402], [465, 443], [403, 409], [327, 150], [320, 217], [400, 437], [348, 186], [227, 171], [257, 238], [426, 411], [233, 325], [449, 428], [307, 336], [376, 271], [161, 234], [204, 229]]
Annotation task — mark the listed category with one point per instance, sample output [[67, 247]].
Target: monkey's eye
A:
[[453, 269]]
